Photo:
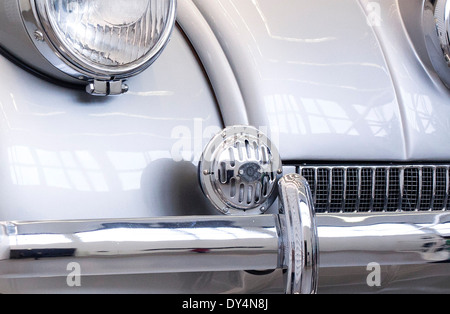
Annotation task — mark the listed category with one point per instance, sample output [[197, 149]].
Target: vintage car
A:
[[224, 146]]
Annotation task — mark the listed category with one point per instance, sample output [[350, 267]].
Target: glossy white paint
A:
[[215, 62], [423, 99], [67, 155], [336, 91], [329, 82], [316, 75]]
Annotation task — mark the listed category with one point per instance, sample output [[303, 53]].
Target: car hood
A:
[[329, 80]]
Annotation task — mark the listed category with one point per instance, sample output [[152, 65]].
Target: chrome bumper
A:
[[411, 249], [172, 244]]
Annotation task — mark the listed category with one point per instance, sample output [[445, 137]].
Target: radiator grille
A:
[[388, 188]]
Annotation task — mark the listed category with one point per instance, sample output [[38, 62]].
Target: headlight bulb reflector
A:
[[100, 39]]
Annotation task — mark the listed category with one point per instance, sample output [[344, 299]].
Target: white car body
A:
[[327, 80]]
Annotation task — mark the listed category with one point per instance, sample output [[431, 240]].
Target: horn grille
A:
[[239, 170]]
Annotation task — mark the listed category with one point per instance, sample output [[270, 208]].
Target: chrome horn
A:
[[172, 244]]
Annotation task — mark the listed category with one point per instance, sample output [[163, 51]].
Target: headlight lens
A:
[[101, 39], [108, 34]]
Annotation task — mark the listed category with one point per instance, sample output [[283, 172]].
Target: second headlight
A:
[[436, 27]]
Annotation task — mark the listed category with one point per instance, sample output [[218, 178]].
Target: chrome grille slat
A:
[[373, 183], [439, 190], [378, 188], [359, 183], [386, 196], [447, 185], [401, 188], [419, 196], [433, 192], [315, 186], [344, 192], [330, 188]]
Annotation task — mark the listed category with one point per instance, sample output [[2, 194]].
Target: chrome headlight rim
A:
[[442, 15], [436, 28], [37, 23]]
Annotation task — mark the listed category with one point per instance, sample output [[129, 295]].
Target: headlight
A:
[[442, 15], [100, 41], [436, 25]]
